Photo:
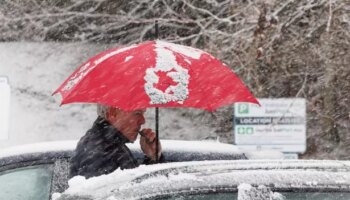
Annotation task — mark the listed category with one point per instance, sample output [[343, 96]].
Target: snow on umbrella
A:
[[155, 74]]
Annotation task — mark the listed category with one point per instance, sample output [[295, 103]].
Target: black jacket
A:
[[101, 151]]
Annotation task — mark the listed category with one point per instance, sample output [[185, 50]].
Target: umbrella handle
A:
[[157, 133]]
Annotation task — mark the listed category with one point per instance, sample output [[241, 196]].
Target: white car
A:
[[36, 171]]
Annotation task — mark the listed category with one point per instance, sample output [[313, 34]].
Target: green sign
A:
[[245, 130], [243, 108]]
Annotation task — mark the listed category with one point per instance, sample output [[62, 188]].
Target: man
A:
[[102, 149]]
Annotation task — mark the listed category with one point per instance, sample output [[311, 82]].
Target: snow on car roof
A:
[[38, 147], [167, 145], [154, 179], [171, 145]]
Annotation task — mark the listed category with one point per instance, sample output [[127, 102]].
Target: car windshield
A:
[[203, 196], [286, 196], [317, 195]]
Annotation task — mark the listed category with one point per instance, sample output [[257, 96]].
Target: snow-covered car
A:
[[240, 179], [35, 171]]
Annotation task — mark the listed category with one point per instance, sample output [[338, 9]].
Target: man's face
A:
[[128, 123]]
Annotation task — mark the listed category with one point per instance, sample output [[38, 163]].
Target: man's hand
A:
[[148, 144]]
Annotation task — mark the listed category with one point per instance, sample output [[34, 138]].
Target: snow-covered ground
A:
[[35, 70]]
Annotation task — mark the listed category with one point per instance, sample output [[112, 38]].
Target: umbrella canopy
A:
[[155, 74]]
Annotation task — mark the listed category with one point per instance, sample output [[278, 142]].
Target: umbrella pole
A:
[[157, 110], [157, 133]]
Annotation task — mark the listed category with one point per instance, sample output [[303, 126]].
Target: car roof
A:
[[173, 151], [37, 151], [172, 145], [211, 149], [148, 181]]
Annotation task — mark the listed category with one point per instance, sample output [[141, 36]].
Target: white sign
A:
[[277, 124], [4, 107]]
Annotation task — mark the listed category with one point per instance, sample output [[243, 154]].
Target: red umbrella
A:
[[155, 74]]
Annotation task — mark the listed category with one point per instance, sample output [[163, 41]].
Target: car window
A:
[[27, 183]]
